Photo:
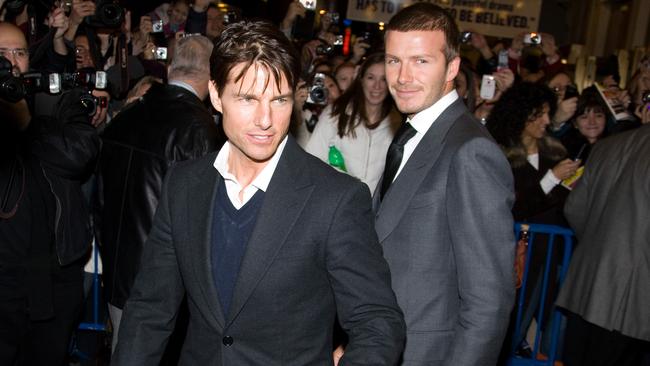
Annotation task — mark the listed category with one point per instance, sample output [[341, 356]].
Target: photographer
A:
[[44, 222]]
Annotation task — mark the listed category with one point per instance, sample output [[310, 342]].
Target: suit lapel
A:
[[200, 216], [396, 200], [284, 200]]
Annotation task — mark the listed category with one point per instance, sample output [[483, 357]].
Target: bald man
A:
[[44, 225]]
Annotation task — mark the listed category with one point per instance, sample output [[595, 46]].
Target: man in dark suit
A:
[[268, 243], [443, 206], [606, 288]]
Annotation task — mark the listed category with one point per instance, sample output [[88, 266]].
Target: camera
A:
[[90, 103], [333, 17], [230, 17], [87, 78], [66, 5], [645, 97], [160, 53], [157, 26], [533, 38], [109, 14], [309, 4], [324, 49], [14, 88], [318, 90]]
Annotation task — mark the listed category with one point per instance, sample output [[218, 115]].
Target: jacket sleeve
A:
[[201, 137], [150, 312], [479, 201], [355, 263], [66, 142]]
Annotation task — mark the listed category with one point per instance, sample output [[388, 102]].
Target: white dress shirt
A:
[[261, 182], [421, 122]]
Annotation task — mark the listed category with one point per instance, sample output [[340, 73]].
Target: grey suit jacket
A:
[[609, 209], [313, 253], [447, 231]]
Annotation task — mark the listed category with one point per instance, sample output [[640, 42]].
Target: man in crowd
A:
[[443, 207], [268, 243], [606, 288], [44, 221], [169, 124]]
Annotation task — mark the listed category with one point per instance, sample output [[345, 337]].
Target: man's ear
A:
[[452, 69], [214, 96]]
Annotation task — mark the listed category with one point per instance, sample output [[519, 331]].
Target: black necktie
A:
[[394, 155]]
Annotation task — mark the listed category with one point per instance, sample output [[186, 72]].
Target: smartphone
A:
[[503, 60], [309, 4], [488, 87], [570, 92], [580, 153]]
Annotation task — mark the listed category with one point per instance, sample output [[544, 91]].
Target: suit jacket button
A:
[[227, 341]]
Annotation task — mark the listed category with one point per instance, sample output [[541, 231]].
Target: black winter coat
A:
[[169, 124]]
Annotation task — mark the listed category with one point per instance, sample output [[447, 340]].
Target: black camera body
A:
[[109, 14], [15, 88], [318, 91]]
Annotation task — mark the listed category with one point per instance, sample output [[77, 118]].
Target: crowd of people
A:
[[191, 148]]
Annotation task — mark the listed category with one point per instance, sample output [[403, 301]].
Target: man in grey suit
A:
[[606, 288], [443, 207], [268, 243]]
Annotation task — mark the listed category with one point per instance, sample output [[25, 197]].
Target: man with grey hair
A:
[[168, 124]]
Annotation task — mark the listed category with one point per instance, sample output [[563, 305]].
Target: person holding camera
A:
[[44, 221], [360, 125]]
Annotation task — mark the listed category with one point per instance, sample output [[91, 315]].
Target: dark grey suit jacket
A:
[[447, 231], [609, 209], [313, 254]]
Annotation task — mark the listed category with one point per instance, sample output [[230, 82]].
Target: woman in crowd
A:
[[588, 126], [344, 74], [539, 163], [360, 125]]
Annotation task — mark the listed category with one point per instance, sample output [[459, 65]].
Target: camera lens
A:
[[89, 103], [111, 14], [318, 95]]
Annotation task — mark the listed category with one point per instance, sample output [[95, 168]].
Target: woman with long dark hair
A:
[[360, 124]]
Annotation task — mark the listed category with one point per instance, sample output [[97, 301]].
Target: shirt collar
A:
[[184, 85], [423, 120], [263, 179]]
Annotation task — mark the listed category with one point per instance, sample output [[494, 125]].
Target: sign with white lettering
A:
[[499, 18]]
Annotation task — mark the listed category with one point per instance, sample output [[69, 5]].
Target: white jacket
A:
[[365, 154]]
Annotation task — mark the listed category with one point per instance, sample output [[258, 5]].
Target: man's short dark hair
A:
[[428, 17], [253, 42]]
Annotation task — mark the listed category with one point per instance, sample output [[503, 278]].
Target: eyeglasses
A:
[[19, 53]]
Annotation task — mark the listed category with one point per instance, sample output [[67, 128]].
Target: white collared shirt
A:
[[422, 121], [184, 85], [261, 182]]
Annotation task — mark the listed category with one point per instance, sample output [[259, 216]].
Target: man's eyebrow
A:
[[285, 95]]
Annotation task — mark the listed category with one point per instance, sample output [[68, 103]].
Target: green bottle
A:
[[336, 158]]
